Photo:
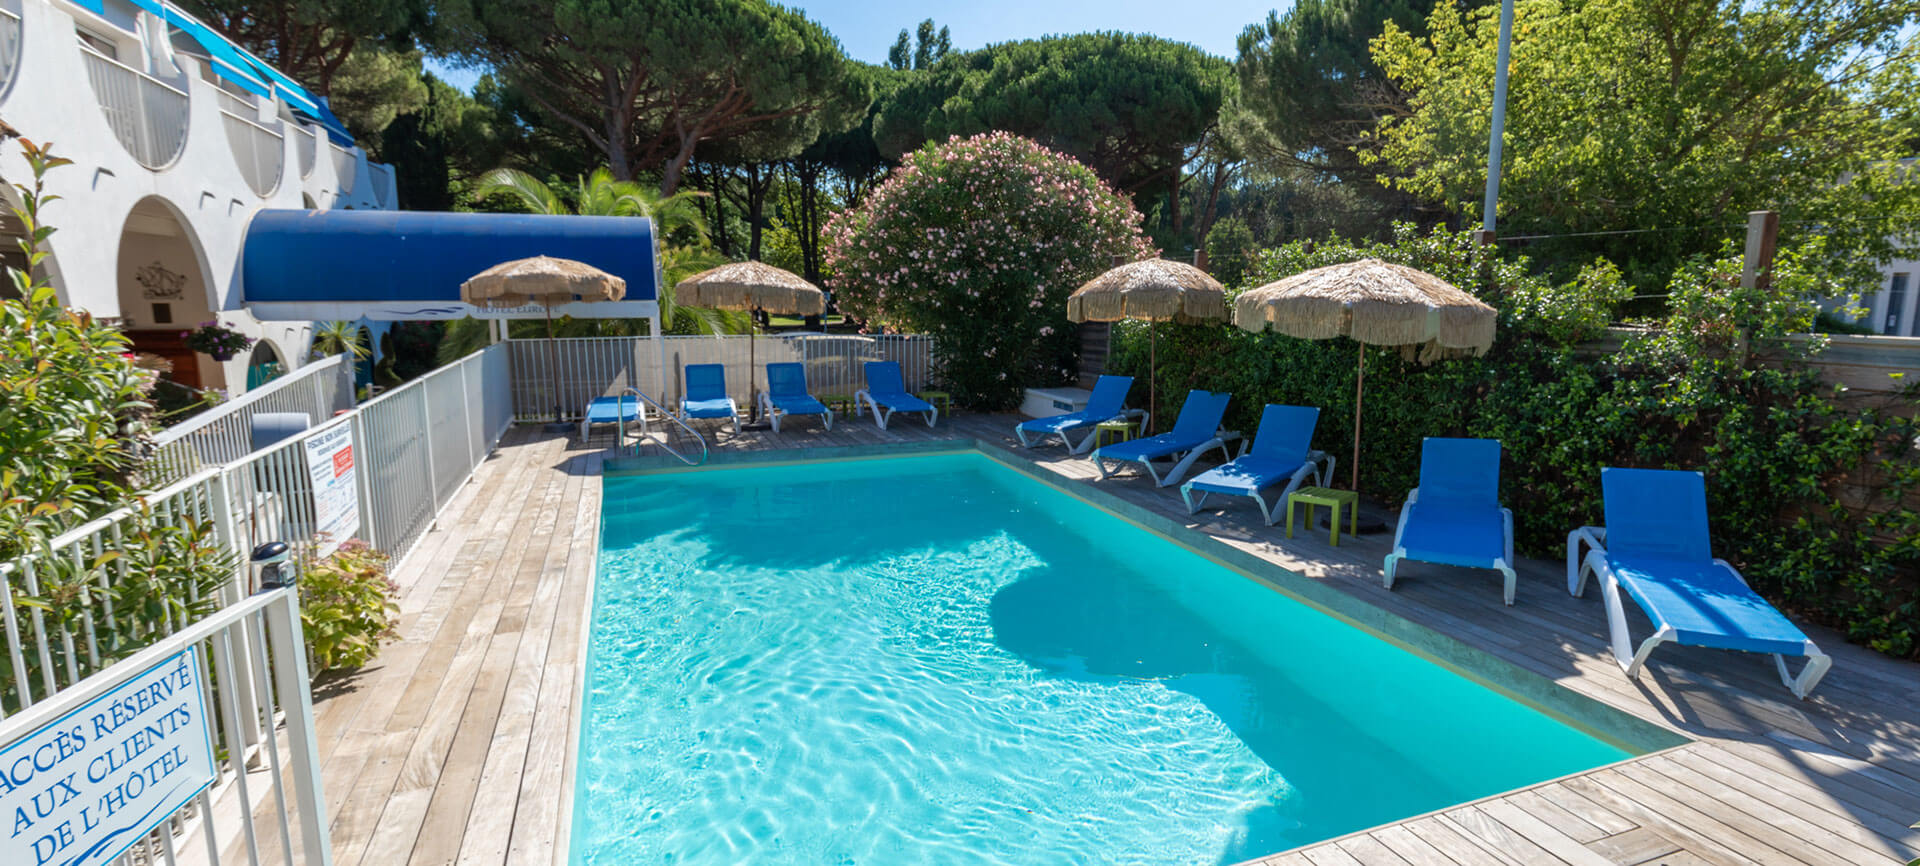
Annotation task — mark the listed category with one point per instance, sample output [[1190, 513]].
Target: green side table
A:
[[1334, 499], [941, 399], [1121, 429]]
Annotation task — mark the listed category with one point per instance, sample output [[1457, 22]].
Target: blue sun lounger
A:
[[1454, 517], [1195, 432], [1281, 454], [887, 390], [786, 394], [707, 394], [1655, 546], [612, 410], [1108, 401]]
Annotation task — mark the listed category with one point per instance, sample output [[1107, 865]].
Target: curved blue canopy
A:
[[299, 265]]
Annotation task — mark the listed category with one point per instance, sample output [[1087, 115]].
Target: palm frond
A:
[[530, 192]]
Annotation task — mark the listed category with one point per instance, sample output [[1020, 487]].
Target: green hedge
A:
[[1811, 490]]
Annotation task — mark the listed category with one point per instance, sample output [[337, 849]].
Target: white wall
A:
[[52, 101]]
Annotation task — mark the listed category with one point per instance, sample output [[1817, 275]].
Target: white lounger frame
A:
[[1271, 513], [881, 413], [1180, 466], [1632, 661], [1086, 442], [773, 413], [1504, 564], [731, 407]]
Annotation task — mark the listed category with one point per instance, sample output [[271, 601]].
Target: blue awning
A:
[[299, 265]]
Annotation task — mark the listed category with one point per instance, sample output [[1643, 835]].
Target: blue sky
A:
[[867, 27]]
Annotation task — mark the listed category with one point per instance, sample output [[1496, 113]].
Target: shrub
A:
[[74, 411], [347, 607], [1815, 493], [977, 242]]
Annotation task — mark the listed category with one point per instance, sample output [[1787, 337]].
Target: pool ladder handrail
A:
[[649, 401]]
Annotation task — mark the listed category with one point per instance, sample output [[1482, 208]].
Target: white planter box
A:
[[1047, 402]]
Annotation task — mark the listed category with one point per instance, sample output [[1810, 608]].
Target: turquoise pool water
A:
[[938, 660]]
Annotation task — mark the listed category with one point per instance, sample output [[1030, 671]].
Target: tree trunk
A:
[[759, 181], [677, 166]]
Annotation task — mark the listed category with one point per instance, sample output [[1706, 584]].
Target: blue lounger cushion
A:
[[1245, 476], [716, 408], [1706, 604], [787, 390], [1455, 534]]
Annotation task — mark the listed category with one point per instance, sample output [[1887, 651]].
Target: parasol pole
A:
[[1359, 381], [553, 364], [753, 384], [1153, 372]]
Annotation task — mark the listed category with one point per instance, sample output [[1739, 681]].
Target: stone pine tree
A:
[[924, 49], [649, 82], [1126, 105]]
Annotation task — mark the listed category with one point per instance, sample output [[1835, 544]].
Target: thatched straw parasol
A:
[[1152, 290], [1373, 302], [752, 286], [548, 282]]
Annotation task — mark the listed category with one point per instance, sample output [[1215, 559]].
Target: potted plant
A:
[[217, 339]]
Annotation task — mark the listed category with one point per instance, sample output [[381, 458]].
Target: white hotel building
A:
[[178, 138]]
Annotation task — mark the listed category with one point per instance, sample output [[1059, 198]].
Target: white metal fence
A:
[[148, 115], [255, 680], [224, 433], [257, 149], [604, 366], [70, 635]]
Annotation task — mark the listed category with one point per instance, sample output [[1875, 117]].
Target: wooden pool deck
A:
[[452, 747]]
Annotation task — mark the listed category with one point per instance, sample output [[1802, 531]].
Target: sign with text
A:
[[79, 791], [336, 494]]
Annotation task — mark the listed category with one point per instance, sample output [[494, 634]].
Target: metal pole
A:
[[1499, 115], [553, 365], [1153, 372], [1359, 388]]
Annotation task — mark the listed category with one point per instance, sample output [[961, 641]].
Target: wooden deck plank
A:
[[453, 746]]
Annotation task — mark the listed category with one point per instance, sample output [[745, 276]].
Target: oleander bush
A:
[[977, 242], [1814, 491], [347, 607]]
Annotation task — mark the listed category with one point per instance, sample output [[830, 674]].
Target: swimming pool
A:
[[936, 659]]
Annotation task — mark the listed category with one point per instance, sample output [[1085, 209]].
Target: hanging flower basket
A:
[[217, 340]]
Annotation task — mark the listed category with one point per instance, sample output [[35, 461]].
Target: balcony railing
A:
[[345, 167], [306, 141], [382, 178], [9, 47], [257, 149], [148, 115]]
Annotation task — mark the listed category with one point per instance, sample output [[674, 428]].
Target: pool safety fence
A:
[[224, 433], [380, 472], [590, 367]]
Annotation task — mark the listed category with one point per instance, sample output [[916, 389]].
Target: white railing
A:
[[71, 632], [345, 168], [254, 685], [381, 176], [148, 115], [9, 47], [423, 441], [257, 149], [603, 366], [224, 433], [305, 142]]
